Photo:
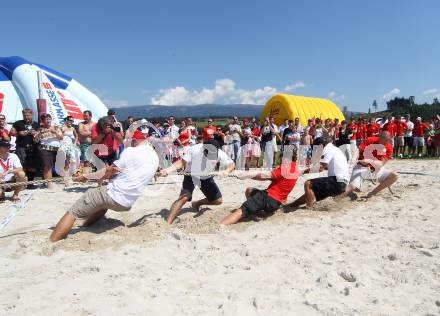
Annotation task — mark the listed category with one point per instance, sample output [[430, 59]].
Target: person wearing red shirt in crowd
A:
[[106, 132], [311, 127], [399, 140], [362, 131], [283, 180], [353, 143], [390, 127], [419, 136], [374, 153], [4, 133], [209, 130], [373, 128]]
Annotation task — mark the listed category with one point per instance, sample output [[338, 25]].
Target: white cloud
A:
[[223, 92], [295, 85], [390, 94], [431, 91], [332, 95]]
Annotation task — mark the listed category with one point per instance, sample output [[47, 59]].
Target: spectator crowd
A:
[[29, 148]]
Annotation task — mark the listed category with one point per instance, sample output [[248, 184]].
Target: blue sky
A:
[[182, 52]]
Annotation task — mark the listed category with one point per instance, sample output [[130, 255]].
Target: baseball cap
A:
[[138, 135]]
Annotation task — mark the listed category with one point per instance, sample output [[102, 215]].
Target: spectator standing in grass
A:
[[419, 136]]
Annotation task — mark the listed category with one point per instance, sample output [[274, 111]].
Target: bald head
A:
[[385, 136]]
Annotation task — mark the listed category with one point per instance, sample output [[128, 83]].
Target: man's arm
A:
[[104, 173], [177, 165]]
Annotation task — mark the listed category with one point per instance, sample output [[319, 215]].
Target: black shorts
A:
[[327, 186], [207, 186], [408, 141], [29, 156], [259, 201], [48, 157]]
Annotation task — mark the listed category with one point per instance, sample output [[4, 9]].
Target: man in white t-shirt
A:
[[236, 134], [199, 162], [11, 169], [333, 160], [408, 136], [129, 174]]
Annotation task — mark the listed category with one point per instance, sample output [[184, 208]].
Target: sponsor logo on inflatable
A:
[[275, 110], [2, 97], [70, 106]]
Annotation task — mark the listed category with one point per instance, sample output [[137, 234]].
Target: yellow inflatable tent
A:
[[282, 106]]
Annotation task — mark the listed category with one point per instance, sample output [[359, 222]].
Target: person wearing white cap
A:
[[419, 136]]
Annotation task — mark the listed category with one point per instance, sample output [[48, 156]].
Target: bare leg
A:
[[232, 218], [20, 177], [248, 192], [92, 219], [198, 204], [392, 177], [176, 207], [47, 175], [309, 194], [63, 227]]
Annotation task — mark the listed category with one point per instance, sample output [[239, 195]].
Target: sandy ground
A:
[[379, 257]]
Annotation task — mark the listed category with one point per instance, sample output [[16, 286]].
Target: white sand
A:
[[380, 257]]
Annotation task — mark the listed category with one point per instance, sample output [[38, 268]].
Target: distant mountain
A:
[[203, 110]]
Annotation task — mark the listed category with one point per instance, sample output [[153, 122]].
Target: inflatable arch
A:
[[282, 106], [22, 83]]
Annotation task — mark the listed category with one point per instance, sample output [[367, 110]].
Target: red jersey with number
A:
[[354, 129], [280, 187]]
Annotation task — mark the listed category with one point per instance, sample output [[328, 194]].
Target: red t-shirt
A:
[[362, 131], [280, 187], [391, 127], [208, 132], [4, 130], [419, 129], [256, 131], [385, 154], [354, 129], [109, 141], [400, 128], [373, 129]]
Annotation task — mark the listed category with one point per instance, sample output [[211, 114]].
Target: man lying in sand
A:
[[373, 168], [200, 159], [129, 174], [283, 180], [317, 189]]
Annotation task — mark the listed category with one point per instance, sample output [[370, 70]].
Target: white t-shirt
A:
[[410, 127], [282, 128], [174, 131], [318, 133], [197, 163], [336, 162], [11, 163], [233, 128], [138, 166]]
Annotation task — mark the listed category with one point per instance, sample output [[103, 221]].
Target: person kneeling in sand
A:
[[11, 170], [333, 160], [200, 159], [129, 174], [379, 150], [283, 180]]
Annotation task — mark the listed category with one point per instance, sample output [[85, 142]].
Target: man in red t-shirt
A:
[[399, 140], [208, 131], [283, 180], [390, 127], [361, 132], [105, 132], [374, 153], [4, 133], [373, 128], [419, 136], [353, 143]]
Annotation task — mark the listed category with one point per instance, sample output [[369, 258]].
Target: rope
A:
[[418, 174], [25, 183]]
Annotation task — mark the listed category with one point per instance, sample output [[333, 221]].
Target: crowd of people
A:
[[30, 147]]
